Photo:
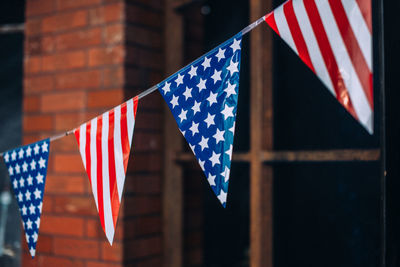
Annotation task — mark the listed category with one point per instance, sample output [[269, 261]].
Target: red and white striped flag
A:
[[104, 145], [334, 39]]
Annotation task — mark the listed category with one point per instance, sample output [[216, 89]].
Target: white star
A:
[[216, 76], [45, 147], [183, 132], [33, 165], [13, 156], [210, 120], [40, 209], [215, 158], [20, 198], [11, 171], [29, 179], [219, 136], [38, 222], [15, 184], [32, 251], [221, 54], [192, 147], [230, 89], [232, 129], [222, 196], [24, 167], [23, 209], [206, 63], [6, 157], [17, 169], [201, 163], [233, 67], [21, 154], [21, 182], [174, 101], [202, 84], [27, 237], [196, 107], [29, 224], [32, 209], [211, 179], [28, 151], [179, 79], [167, 87], [36, 149], [212, 98], [34, 237], [187, 93], [42, 163], [226, 173], [182, 116], [235, 46], [28, 195], [194, 128], [229, 152], [37, 193], [228, 112], [192, 72], [203, 143], [39, 178]]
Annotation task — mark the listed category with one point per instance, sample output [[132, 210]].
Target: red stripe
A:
[[100, 171], [77, 133], [353, 49], [87, 152], [296, 34], [366, 10], [124, 135], [135, 105], [342, 94], [270, 19], [112, 173]]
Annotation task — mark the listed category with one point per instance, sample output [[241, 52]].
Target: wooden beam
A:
[[172, 184]]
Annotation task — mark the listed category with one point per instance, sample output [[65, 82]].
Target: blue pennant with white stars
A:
[[203, 98], [27, 168]]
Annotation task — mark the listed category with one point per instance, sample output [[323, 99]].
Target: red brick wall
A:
[[82, 58]]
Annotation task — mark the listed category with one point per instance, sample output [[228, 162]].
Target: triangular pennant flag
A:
[[27, 168], [203, 99], [104, 145], [334, 39]]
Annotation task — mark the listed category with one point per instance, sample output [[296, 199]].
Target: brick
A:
[[112, 253], [79, 39], [35, 123], [142, 247], [27, 260], [44, 244], [31, 103], [106, 14], [106, 56], [66, 144], [78, 248], [78, 80], [64, 61], [65, 184], [71, 4], [143, 16], [33, 45], [65, 21], [68, 163], [149, 120], [140, 205], [141, 57], [38, 7], [45, 260], [93, 228], [148, 162], [47, 204], [32, 64], [147, 142], [30, 138], [140, 184], [102, 264], [33, 27], [69, 101], [153, 261], [144, 36], [113, 77], [48, 44], [61, 225], [114, 34], [75, 205], [105, 99], [38, 84], [67, 121], [148, 225]]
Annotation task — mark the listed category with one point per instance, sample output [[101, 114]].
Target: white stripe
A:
[[108, 221], [360, 29], [283, 27], [93, 158], [82, 143], [130, 119], [119, 159], [345, 65], [312, 45]]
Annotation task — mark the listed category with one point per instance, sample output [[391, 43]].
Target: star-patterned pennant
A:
[[203, 99], [27, 168]]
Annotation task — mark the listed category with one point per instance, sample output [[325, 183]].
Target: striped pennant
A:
[[104, 145], [334, 39]]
